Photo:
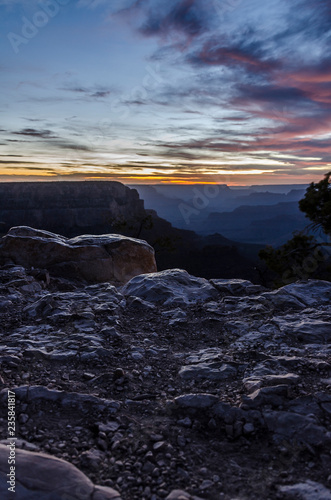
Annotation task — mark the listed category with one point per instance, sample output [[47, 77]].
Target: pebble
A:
[[206, 484], [23, 418], [185, 422]]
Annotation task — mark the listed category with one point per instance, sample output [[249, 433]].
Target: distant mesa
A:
[[70, 208], [94, 259]]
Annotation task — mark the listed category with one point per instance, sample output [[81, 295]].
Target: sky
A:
[[182, 91]]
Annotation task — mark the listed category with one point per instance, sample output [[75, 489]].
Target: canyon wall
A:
[[68, 208]]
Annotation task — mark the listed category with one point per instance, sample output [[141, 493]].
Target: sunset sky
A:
[[230, 91]]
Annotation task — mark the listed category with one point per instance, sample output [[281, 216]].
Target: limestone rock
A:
[[48, 478], [181, 495], [274, 396], [236, 287], [281, 300], [308, 330], [92, 459], [295, 427], [310, 292], [308, 490], [92, 258], [174, 287], [214, 370], [196, 401], [41, 393], [105, 493], [90, 299], [251, 384]]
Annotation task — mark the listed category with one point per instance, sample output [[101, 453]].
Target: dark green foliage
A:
[[303, 256], [299, 258], [316, 203], [132, 226]]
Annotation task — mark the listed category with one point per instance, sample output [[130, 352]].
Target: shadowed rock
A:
[[48, 478], [196, 401], [308, 490], [181, 495]]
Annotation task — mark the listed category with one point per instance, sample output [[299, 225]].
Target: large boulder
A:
[[42, 476], [96, 259], [173, 287]]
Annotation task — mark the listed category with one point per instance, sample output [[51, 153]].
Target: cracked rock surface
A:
[[171, 387]]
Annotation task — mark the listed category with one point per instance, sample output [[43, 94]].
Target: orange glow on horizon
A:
[[231, 179]]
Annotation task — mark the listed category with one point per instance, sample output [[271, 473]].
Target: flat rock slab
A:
[[174, 287], [39, 392], [293, 426], [213, 370], [236, 287], [308, 490], [91, 299], [273, 396], [307, 330], [311, 292], [251, 384], [43, 477], [196, 401], [205, 355], [94, 259], [280, 300]]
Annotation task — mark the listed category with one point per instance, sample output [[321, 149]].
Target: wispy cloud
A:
[[52, 139], [32, 132], [173, 19], [237, 82], [97, 93]]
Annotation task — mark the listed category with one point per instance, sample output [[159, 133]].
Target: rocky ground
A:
[[218, 389]]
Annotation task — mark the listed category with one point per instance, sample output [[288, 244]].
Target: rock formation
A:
[[169, 387], [72, 207], [102, 207], [95, 259]]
